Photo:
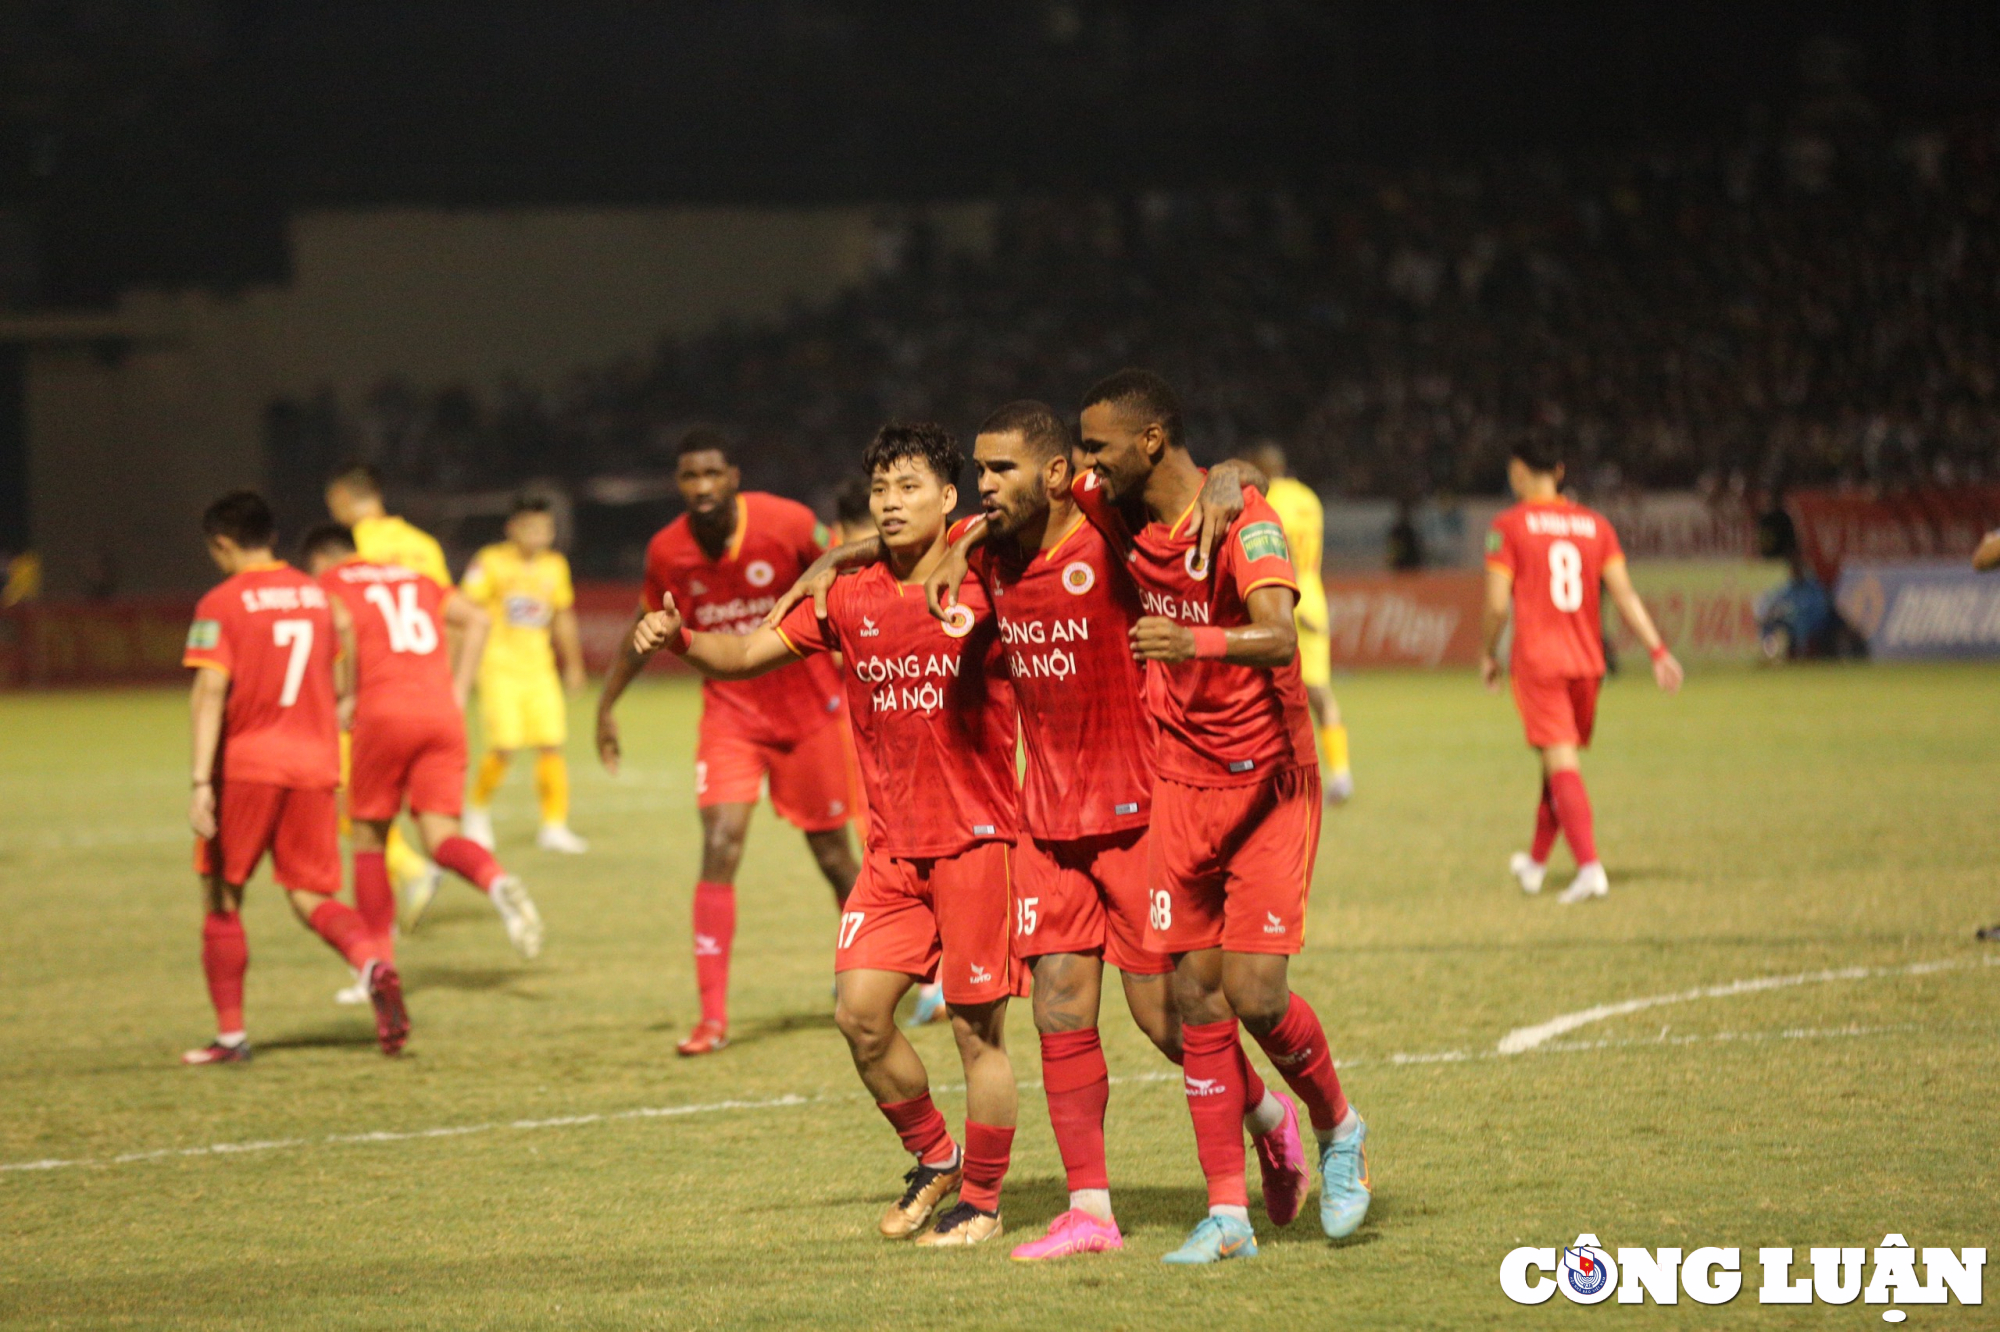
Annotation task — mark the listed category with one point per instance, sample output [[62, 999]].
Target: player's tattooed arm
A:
[[205, 703], [1667, 673], [718, 656], [467, 627], [1269, 641], [1220, 502], [819, 576], [941, 586], [1493, 621]]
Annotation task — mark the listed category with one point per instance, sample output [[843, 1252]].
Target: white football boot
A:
[[1526, 872], [354, 994], [1589, 882], [558, 837], [517, 912]]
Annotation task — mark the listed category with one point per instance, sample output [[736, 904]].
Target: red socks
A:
[[468, 860], [342, 927], [1546, 827], [1078, 1087], [921, 1128], [1572, 804], [1212, 1074], [225, 956], [986, 1151], [1297, 1046], [375, 899], [714, 934]]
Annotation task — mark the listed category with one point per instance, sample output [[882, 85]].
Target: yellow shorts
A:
[[523, 712]]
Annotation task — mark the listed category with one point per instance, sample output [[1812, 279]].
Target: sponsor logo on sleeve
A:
[[204, 635], [1263, 541], [1494, 541]]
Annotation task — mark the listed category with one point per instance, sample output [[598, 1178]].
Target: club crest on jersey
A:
[[1078, 577], [1196, 566], [759, 573], [958, 620]]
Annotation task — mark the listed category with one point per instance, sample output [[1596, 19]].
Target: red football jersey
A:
[[932, 711], [1555, 552], [402, 665], [270, 629], [1064, 615], [775, 540], [1220, 725]]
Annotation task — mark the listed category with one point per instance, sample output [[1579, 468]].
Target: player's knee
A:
[[978, 1027], [1259, 1001], [1197, 1000], [868, 1032]]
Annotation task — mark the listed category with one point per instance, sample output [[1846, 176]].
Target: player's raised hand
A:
[[815, 582], [1156, 638], [1218, 505], [1667, 673], [1489, 672], [941, 588], [201, 810], [608, 752]]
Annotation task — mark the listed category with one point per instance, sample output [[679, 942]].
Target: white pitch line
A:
[[790, 1101], [1523, 1039]]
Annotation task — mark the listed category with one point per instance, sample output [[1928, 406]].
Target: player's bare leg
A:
[[475, 864], [225, 956], [1332, 732], [724, 829], [1569, 805], [896, 1078], [833, 852], [1067, 993], [991, 1104]]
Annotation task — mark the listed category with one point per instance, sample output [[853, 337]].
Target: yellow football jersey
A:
[[390, 540], [1305, 523], [522, 596]]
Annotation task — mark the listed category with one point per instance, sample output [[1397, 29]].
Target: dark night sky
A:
[[164, 141]]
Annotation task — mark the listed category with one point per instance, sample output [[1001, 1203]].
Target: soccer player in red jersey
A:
[[934, 719], [1236, 807], [266, 764], [1066, 608], [1544, 560], [408, 729], [723, 563]]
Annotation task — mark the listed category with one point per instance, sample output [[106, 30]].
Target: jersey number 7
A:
[[298, 636]]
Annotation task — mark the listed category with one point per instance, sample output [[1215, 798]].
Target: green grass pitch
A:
[[547, 1161]]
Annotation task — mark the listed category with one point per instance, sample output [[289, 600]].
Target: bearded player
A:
[[1544, 560], [935, 722], [266, 766], [409, 729], [1236, 805], [722, 563]]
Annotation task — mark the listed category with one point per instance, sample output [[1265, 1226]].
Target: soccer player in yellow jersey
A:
[[354, 500], [523, 583], [1304, 521]]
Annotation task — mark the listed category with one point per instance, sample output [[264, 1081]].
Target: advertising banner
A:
[[130, 641], [1921, 609], [1835, 527], [1414, 619]]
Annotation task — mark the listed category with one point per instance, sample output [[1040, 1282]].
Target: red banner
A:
[[94, 643], [603, 618], [1836, 526]]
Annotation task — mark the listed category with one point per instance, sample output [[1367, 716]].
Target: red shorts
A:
[[1232, 865], [810, 783], [1559, 710], [299, 828], [944, 916], [1086, 896], [421, 758]]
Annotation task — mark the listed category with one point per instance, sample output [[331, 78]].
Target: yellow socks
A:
[[552, 785], [402, 859], [492, 771], [1333, 741]]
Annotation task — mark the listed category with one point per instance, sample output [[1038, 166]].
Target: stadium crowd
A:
[[1811, 303]]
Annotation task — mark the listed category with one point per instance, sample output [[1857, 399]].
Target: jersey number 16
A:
[[410, 629]]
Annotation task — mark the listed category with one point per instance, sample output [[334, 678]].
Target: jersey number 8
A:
[[1565, 575]]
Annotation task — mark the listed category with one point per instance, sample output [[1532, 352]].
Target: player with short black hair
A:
[[1545, 560], [265, 699], [1236, 807], [721, 563], [934, 718]]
